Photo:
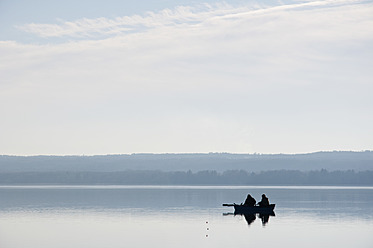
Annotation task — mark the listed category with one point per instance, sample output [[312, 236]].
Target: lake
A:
[[183, 216]]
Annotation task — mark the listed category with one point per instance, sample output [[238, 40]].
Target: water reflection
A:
[[97, 217], [250, 218], [265, 217]]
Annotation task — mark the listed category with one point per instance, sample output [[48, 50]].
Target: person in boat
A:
[[250, 201], [264, 201]]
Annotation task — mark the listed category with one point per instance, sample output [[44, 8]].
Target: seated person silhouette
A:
[[250, 201], [264, 201]]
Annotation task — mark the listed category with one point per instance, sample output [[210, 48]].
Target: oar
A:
[[229, 204]]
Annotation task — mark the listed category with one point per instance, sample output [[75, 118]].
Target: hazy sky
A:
[[104, 77]]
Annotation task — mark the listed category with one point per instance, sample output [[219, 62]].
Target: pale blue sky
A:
[[104, 77]]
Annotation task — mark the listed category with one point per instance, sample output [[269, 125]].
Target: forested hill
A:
[[219, 162]]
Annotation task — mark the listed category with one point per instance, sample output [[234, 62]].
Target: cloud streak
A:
[[180, 16], [104, 26]]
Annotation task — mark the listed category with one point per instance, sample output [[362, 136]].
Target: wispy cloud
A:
[[209, 44], [180, 16], [104, 26]]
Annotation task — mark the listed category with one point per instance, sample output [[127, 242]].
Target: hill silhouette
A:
[[331, 161]]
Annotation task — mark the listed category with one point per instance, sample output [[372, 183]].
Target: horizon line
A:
[[181, 153]]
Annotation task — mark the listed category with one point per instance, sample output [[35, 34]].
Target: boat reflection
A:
[[251, 217]]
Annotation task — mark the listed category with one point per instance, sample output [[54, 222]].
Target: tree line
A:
[[207, 177]]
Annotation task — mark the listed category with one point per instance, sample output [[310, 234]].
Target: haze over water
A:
[[169, 216], [184, 76]]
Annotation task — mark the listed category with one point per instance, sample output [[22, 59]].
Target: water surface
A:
[[168, 216]]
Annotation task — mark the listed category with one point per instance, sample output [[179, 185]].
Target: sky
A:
[[122, 77]]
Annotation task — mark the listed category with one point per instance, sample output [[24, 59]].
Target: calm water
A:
[[114, 216]]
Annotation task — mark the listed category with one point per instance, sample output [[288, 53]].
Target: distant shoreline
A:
[[322, 168], [220, 162], [231, 177]]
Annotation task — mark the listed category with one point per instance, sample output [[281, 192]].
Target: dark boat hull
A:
[[242, 209]]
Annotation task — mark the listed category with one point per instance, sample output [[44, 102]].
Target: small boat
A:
[[242, 209]]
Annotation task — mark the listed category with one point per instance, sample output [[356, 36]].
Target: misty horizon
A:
[[332, 161], [189, 153]]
